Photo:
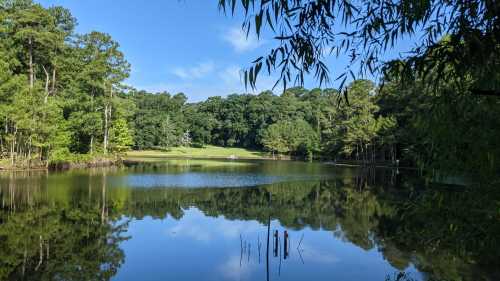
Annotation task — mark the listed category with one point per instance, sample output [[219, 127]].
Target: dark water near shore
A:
[[212, 220]]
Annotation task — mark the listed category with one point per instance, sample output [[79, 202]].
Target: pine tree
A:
[[120, 137]]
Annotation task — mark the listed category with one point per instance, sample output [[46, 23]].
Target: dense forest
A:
[[63, 97]]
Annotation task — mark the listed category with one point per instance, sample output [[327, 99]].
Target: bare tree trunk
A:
[[13, 144], [40, 260], [13, 147], [92, 134], [106, 129], [6, 129], [31, 68], [47, 82], [91, 144], [53, 90], [107, 120], [25, 256], [29, 153]]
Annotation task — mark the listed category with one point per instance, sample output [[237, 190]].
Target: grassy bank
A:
[[78, 161], [69, 161], [208, 151]]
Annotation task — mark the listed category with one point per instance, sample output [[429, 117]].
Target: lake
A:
[[244, 220]]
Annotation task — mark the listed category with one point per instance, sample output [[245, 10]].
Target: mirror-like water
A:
[[244, 220]]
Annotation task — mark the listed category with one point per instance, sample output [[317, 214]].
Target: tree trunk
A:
[[91, 144], [105, 144], [107, 120], [47, 82], [29, 153], [13, 147], [31, 68], [40, 260], [53, 90]]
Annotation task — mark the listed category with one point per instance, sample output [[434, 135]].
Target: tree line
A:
[[59, 91], [299, 122], [63, 98], [420, 124]]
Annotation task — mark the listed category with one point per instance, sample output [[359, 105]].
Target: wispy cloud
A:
[[312, 254], [233, 269], [207, 79], [195, 72], [239, 40], [231, 75], [200, 228], [232, 78]]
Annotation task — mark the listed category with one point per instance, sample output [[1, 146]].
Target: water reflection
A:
[[353, 225]]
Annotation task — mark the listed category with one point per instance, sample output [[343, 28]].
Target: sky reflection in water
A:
[[198, 247], [206, 220]]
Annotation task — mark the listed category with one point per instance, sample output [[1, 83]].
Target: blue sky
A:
[[184, 46]]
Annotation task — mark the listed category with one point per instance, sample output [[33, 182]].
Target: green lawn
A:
[[208, 151]]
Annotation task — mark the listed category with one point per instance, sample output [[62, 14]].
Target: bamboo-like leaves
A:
[[364, 30]]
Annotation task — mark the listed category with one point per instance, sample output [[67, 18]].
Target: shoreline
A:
[[67, 165], [200, 157], [206, 153]]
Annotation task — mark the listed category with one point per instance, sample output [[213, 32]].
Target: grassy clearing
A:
[[190, 162], [205, 152]]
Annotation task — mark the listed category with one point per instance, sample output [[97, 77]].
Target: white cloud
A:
[[233, 79], [180, 72], [211, 228], [231, 75], [160, 87], [234, 269], [196, 232], [310, 253], [239, 40], [207, 79], [195, 72]]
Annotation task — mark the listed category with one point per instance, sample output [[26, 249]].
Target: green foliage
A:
[[290, 136], [61, 94], [443, 126], [120, 136], [158, 120], [58, 90], [365, 30]]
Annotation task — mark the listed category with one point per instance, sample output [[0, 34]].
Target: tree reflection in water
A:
[[70, 227]]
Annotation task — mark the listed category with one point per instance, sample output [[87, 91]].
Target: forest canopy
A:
[[63, 96]]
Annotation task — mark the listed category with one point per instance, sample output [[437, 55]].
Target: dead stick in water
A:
[[300, 242]]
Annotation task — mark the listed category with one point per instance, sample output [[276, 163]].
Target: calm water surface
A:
[[244, 220]]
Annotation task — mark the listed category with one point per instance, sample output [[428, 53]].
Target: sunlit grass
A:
[[208, 151], [188, 162]]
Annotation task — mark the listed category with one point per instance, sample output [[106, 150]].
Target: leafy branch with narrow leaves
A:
[[364, 30]]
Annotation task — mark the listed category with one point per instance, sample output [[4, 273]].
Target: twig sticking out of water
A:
[[299, 250], [300, 242], [249, 246], [241, 249], [259, 245], [300, 255], [279, 249]]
